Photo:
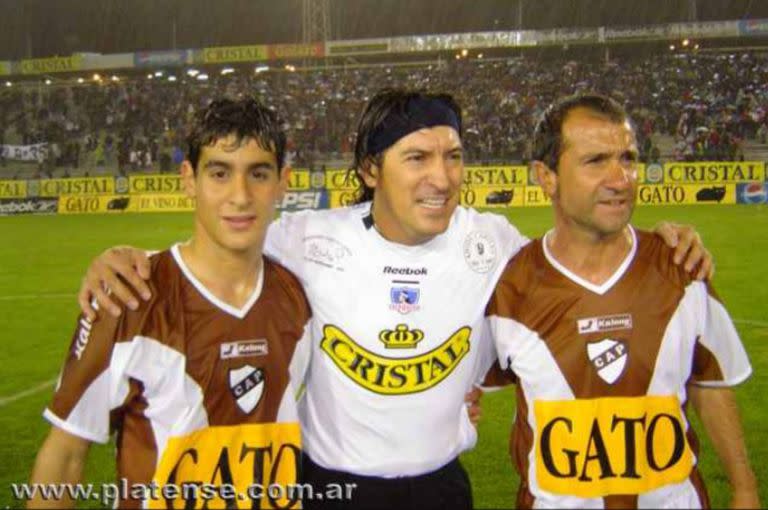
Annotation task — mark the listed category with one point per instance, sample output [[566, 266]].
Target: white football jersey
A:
[[398, 336]]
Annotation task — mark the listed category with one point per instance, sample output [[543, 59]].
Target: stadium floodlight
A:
[[159, 74], [171, 78], [192, 72], [227, 70], [202, 77], [261, 69]]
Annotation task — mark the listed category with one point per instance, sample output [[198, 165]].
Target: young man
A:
[[384, 404], [200, 381], [608, 339]]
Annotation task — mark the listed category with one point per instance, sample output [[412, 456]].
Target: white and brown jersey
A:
[[601, 377], [198, 391]]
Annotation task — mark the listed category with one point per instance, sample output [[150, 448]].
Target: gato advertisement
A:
[[94, 204], [511, 196], [676, 194]]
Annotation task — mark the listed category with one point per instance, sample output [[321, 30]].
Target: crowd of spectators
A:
[[708, 104]]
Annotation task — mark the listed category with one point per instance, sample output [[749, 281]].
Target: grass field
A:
[[42, 259]]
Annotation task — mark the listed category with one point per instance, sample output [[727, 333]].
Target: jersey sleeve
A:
[[285, 241], [719, 357], [300, 361], [514, 240], [87, 389]]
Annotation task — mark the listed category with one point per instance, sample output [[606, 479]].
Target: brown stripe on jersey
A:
[[525, 499], [275, 317], [532, 292], [555, 305], [95, 347], [624, 501], [701, 489], [520, 443], [180, 318], [186, 321], [497, 376], [705, 364], [136, 442]]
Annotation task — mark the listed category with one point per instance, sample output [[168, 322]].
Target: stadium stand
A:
[[687, 106]]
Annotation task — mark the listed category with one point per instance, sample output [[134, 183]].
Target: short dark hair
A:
[[245, 119], [382, 105], [548, 135]]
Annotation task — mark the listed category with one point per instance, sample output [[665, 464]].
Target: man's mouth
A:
[[240, 222], [614, 202], [432, 202]]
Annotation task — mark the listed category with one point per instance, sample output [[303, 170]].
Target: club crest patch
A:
[[404, 299], [609, 358], [247, 386], [480, 252]]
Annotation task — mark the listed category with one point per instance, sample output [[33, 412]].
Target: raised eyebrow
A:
[[262, 165], [213, 163], [413, 150]]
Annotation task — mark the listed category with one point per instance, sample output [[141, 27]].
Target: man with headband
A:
[[398, 286]]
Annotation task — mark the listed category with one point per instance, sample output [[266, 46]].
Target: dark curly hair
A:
[[548, 135], [243, 118], [385, 103]]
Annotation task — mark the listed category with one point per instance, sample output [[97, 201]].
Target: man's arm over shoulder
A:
[[285, 240], [510, 237], [503, 316], [296, 307]]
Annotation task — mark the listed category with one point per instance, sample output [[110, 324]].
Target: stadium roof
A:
[[41, 28]]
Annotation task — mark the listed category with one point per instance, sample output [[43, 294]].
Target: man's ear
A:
[[547, 178], [369, 173], [188, 179]]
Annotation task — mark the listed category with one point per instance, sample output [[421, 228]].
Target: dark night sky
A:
[[39, 28]]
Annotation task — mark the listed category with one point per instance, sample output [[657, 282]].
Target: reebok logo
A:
[[422, 271]]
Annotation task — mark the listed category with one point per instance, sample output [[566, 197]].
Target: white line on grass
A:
[[751, 322], [21, 297], [31, 391]]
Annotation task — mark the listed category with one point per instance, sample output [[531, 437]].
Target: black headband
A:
[[419, 113]]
